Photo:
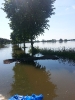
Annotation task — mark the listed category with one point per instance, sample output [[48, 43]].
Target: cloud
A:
[[67, 9], [73, 6]]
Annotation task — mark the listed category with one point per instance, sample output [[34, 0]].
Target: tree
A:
[[30, 17]]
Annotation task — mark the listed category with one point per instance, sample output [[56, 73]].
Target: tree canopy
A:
[[29, 17]]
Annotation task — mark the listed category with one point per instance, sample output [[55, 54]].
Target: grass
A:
[[61, 53], [18, 53]]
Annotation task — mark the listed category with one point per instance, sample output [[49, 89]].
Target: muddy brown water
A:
[[55, 79]]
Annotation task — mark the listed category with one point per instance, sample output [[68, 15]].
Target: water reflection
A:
[[6, 72], [71, 62], [28, 79], [56, 45], [4, 46], [51, 78], [1, 46], [54, 79], [18, 53]]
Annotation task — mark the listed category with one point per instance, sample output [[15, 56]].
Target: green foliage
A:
[[18, 53], [35, 50], [4, 41], [63, 53], [28, 18]]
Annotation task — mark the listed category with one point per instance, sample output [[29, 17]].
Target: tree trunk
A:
[[24, 46], [32, 45]]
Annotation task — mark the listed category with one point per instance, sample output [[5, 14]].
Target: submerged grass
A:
[[18, 53], [61, 53]]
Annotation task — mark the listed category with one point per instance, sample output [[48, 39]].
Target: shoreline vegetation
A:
[[19, 55], [4, 41], [26, 26], [61, 53], [7, 41], [54, 40]]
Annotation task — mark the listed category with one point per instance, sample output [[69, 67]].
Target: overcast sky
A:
[[62, 24]]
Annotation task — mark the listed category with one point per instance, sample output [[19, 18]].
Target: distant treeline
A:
[[54, 40], [4, 41]]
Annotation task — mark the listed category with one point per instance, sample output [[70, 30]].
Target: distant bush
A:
[[4, 41]]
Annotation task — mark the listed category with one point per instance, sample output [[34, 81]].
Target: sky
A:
[[62, 23]]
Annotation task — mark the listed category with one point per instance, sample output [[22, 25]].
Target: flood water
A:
[[55, 79]]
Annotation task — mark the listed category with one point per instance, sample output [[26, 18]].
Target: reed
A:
[[63, 53]]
